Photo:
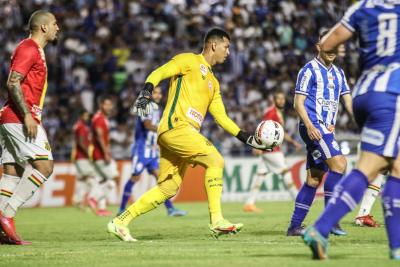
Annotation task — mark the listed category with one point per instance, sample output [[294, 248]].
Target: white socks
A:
[[100, 191], [290, 186], [370, 195], [255, 188], [23, 192], [8, 183], [81, 188]]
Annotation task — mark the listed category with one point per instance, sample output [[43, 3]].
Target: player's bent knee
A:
[[313, 181], [342, 164], [45, 167], [215, 160], [339, 164], [169, 187], [214, 172], [13, 169], [135, 178], [395, 171]]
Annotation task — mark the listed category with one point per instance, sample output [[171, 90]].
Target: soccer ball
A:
[[270, 133]]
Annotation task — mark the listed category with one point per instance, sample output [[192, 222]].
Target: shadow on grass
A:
[[302, 256], [267, 233]]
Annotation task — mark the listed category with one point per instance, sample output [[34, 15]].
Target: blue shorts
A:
[[319, 151], [139, 164], [378, 115]]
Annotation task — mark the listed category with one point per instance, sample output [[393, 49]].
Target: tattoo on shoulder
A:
[[15, 90]]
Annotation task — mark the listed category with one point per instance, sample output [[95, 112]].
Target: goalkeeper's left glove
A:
[[252, 141], [143, 101]]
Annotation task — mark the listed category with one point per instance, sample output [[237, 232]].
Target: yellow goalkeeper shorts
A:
[[182, 146]]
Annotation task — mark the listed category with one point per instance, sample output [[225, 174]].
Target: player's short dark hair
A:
[[278, 92], [104, 98], [83, 111], [216, 33], [36, 19], [322, 34]]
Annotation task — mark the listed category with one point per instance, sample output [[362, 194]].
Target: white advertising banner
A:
[[239, 175]]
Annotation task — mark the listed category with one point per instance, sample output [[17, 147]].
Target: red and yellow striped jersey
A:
[[29, 60]]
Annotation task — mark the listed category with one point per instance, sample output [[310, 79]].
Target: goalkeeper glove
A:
[[143, 102], [252, 141]]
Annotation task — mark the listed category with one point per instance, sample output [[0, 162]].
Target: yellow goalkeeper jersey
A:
[[193, 90]]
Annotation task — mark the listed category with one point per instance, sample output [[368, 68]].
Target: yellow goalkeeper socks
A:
[[213, 183], [147, 202]]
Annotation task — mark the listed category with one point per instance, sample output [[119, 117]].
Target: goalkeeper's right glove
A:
[[141, 107], [252, 141]]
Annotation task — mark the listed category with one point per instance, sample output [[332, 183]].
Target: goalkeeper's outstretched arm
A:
[[217, 110]]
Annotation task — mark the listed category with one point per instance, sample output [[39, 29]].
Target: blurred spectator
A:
[[110, 46]]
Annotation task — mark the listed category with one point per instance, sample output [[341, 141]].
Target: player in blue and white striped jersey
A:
[[145, 152], [376, 107], [319, 88]]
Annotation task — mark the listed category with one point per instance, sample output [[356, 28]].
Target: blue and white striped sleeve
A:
[[304, 81], [349, 19], [149, 116], [345, 86]]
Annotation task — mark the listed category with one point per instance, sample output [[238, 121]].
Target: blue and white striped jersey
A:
[[323, 87], [376, 22], [145, 145]]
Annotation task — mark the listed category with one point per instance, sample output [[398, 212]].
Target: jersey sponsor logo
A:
[[372, 136], [195, 115], [203, 71], [37, 111], [328, 105], [303, 80]]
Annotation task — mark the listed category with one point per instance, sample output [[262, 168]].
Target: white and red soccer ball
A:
[[270, 133]]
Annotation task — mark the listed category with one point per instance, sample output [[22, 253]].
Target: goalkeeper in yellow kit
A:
[[193, 90]]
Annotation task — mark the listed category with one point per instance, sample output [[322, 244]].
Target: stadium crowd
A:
[[110, 46]]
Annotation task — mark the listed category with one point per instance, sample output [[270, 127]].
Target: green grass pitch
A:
[[68, 237]]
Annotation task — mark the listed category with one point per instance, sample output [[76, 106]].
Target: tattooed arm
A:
[[15, 91], [14, 88]]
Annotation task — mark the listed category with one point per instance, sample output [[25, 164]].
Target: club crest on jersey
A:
[[203, 70], [47, 146], [316, 154]]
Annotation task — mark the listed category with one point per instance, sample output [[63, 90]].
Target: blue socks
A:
[[332, 178], [391, 208], [347, 194], [306, 195], [126, 195], [304, 199], [168, 204]]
